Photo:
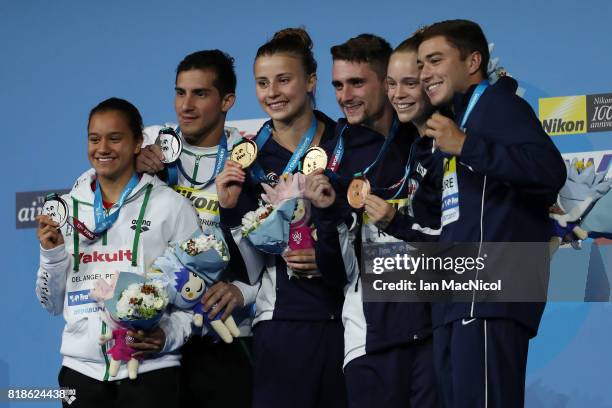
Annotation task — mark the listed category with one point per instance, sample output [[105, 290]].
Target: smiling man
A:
[[388, 349], [204, 93], [359, 78], [502, 172]]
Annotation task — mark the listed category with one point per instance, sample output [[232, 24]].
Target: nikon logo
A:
[[563, 115], [561, 126]]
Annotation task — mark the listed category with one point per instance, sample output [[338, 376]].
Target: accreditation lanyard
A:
[[262, 138], [219, 163], [473, 100], [103, 220]]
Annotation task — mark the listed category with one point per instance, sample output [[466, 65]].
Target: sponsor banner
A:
[[599, 112], [565, 115], [29, 204], [601, 159]]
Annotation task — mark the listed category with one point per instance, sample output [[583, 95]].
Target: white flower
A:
[[142, 301], [253, 219], [204, 243], [159, 303]]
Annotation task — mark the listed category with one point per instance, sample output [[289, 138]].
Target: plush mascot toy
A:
[[192, 267]]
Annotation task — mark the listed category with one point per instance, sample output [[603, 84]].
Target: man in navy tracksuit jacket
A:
[[508, 172], [388, 352]]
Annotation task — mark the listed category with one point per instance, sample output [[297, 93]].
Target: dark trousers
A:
[[481, 363], [298, 364], [400, 377], [158, 388], [217, 374]]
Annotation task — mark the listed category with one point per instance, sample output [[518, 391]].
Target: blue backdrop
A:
[[60, 58]]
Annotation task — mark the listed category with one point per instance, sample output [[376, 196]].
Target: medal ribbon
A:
[[473, 100], [338, 152], [264, 135], [219, 163], [383, 149], [403, 180], [104, 221]]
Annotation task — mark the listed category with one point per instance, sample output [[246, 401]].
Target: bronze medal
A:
[[315, 158], [357, 192], [244, 153]]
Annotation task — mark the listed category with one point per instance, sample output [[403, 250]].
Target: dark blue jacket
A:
[[296, 299], [388, 324], [509, 173]]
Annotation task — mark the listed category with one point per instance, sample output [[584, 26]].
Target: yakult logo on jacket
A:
[[121, 255]]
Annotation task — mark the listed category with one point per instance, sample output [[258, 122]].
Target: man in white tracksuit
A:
[[204, 93]]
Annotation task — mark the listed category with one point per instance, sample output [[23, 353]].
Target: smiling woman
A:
[[294, 301], [114, 139], [131, 219]]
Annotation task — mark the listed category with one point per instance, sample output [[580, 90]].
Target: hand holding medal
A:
[[56, 209], [314, 159], [244, 153], [229, 184], [319, 190], [54, 215], [379, 211]]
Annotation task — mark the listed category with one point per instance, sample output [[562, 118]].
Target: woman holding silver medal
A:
[[107, 212], [298, 337]]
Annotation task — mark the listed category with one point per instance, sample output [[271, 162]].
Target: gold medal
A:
[[315, 158], [357, 192], [244, 153]]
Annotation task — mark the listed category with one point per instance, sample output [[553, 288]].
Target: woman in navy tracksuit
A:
[[297, 328]]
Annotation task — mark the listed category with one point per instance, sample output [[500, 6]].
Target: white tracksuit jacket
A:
[[63, 287]]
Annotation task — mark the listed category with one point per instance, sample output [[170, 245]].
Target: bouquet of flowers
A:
[[131, 302], [142, 302], [204, 253], [267, 228], [253, 219], [584, 205], [188, 269]]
